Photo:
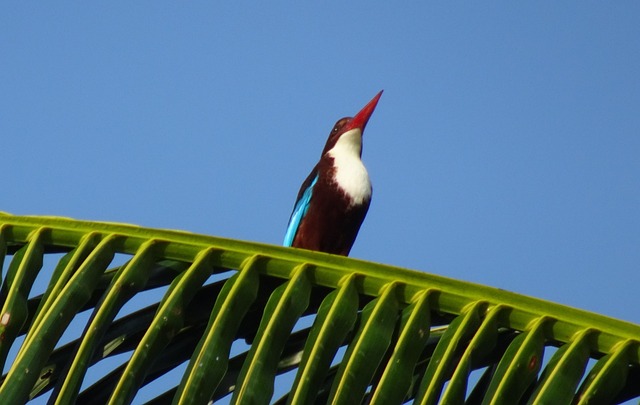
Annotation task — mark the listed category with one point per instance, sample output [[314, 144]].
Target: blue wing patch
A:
[[299, 211]]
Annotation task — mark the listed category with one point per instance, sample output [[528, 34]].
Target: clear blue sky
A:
[[504, 151]]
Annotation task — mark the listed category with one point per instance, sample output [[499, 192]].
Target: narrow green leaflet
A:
[[562, 375], [66, 268], [407, 335], [611, 372], [336, 316], [21, 274], [367, 348], [3, 247], [396, 379], [165, 325], [442, 363], [42, 338], [519, 366], [209, 361], [129, 280], [285, 306], [483, 342]]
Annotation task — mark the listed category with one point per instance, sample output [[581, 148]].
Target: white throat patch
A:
[[351, 175]]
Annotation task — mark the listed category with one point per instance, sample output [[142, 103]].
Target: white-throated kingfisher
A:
[[334, 199]]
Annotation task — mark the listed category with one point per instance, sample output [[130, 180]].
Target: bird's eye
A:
[[335, 129]]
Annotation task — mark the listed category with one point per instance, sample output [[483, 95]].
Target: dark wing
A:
[[302, 205]]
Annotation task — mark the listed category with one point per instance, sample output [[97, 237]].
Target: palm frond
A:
[[232, 316]]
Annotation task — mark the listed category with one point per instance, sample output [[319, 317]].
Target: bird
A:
[[335, 197]]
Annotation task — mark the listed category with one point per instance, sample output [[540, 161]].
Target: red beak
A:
[[360, 120]]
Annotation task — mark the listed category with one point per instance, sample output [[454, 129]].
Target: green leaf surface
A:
[[563, 373], [209, 362], [396, 379], [367, 348], [21, 274], [483, 342], [607, 377], [43, 336], [409, 336], [449, 347], [336, 316], [285, 306], [519, 366], [128, 281], [167, 322], [64, 271], [3, 246]]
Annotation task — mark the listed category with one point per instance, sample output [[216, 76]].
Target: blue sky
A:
[[503, 151]]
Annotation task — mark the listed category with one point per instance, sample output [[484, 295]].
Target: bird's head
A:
[[348, 131]]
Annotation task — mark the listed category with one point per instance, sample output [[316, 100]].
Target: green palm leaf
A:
[[238, 314]]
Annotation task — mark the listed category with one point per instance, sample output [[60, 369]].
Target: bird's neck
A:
[[349, 173]]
